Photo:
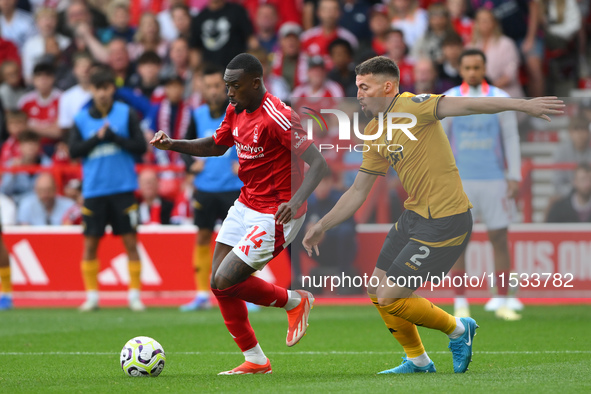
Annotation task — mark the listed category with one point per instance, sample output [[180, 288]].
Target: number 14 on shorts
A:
[[255, 237]]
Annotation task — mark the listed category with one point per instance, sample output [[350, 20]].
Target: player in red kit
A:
[[272, 148]]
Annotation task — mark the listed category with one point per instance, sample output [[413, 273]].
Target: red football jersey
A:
[[42, 111], [269, 142]]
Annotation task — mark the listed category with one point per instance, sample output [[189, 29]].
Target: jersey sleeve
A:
[[423, 106], [223, 134], [373, 163]]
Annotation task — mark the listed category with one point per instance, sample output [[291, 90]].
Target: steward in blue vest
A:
[[106, 135]]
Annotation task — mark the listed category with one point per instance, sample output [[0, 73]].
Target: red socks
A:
[[233, 307], [235, 317], [258, 292]]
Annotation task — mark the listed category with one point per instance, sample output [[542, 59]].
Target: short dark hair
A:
[[211, 69], [341, 42], [379, 65], [149, 57], [247, 62], [28, 136], [102, 78], [44, 68], [472, 52], [452, 39]]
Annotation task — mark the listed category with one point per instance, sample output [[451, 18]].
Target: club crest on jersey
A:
[[420, 98], [255, 137], [235, 132]]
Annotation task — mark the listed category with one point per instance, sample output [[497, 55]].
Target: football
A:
[[142, 356]]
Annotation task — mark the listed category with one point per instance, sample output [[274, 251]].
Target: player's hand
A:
[[512, 189], [285, 213], [102, 131], [313, 237], [161, 141], [541, 107]]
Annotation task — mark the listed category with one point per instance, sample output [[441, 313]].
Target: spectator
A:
[[449, 70], [220, 32], [147, 78], [318, 84], [429, 45], [519, 20], [181, 19], [173, 116], [354, 18], [426, 78], [106, 135], [275, 85], [41, 106], [147, 38], [72, 100], [576, 207], [36, 46], [17, 185], [118, 60], [44, 207], [16, 25], [16, 123], [179, 63], [408, 17], [501, 52], [11, 89], [561, 21], [168, 29], [343, 71], [397, 50], [288, 61], [379, 24], [575, 150], [153, 209], [118, 14], [461, 23], [315, 41], [80, 12], [266, 27]]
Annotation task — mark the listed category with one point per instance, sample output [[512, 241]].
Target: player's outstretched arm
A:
[[347, 205], [202, 147], [539, 107], [318, 168]]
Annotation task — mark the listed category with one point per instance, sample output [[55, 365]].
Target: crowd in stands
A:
[[158, 50]]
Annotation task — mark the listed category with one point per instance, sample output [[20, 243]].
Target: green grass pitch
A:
[[61, 350]]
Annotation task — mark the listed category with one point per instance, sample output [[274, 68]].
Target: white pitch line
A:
[[310, 353]]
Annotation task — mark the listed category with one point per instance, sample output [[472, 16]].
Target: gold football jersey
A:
[[426, 167]]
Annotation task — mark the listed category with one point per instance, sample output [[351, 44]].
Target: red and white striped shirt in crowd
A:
[[41, 110]]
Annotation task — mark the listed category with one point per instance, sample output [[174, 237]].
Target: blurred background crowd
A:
[[158, 50]]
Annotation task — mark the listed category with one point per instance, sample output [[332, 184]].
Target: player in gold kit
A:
[[436, 225]]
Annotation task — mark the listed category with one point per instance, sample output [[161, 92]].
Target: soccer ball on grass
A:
[[142, 356]]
